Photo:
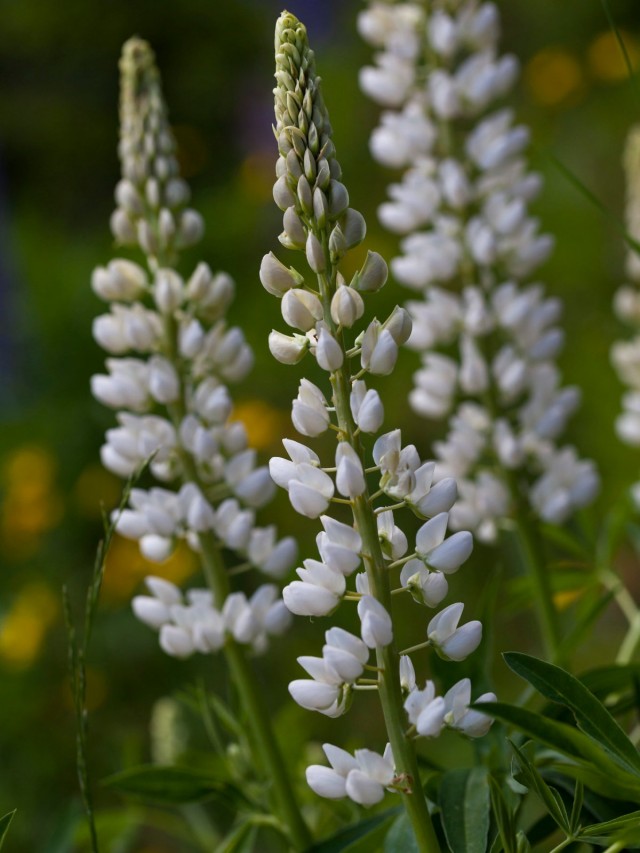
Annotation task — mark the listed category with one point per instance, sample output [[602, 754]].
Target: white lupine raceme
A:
[[467, 246], [188, 437], [625, 355], [174, 415], [318, 222]]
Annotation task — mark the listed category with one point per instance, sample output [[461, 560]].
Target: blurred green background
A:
[[58, 167]]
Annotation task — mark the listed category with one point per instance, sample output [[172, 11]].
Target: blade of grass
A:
[[78, 650]]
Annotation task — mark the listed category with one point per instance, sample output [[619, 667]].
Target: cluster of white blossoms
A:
[[625, 355], [468, 244], [367, 546], [171, 357], [198, 626]]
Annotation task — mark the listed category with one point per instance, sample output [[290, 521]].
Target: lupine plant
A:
[[564, 774], [325, 310], [488, 338], [172, 356]]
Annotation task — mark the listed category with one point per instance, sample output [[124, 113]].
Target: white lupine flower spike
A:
[[488, 338], [352, 350], [468, 246], [172, 358]]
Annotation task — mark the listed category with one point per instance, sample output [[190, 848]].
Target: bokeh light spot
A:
[[605, 58], [555, 78]]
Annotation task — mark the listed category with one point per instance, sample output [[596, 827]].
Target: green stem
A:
[[258, 719], [631, 611], [262, 736], [532, 559]]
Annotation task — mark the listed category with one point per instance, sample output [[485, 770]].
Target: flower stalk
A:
[[174, 405], [318, 221]]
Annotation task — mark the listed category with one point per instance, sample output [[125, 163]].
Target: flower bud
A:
[[190, 228], [376, 627], [301, 309], [164, 384], [315, 253], [121, 280], [287, 349], [373, 274], [329, 354], [282, 194], [276, 278], [168, 291], [399, 325], [353, 227], [337, 245], [350, 480], [293, 227], [338, 198], [123, 228], [346, 306]]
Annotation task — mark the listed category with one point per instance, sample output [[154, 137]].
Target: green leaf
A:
[[559, 736], [603, 831], [622, 787], [5, 823], [355, 837], [172, 785], [549, 796], [240, 838], [576, 810], [591, 715], [506, 839], [401, 837], [464, 801]]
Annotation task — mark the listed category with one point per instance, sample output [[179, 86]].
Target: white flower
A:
[[366, 407], [426, 710], [328, 351], [375, 623], [350, 480], [451, 642], [318, 591], [459, 716], [362, 777], [339, 545], [287, 349], [309, 414]]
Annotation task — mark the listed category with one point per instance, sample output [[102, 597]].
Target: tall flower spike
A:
[[468, 247], [173, 356], [318, 222], [625, 355]]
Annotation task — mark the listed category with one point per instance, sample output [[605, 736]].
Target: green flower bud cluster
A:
[[317, 218], [151, 196]]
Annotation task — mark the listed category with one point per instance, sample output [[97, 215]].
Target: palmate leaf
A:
[[173, 785], [590, 714], [465, 806], [582, 752]]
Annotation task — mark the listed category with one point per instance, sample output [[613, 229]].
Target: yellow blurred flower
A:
[[555, 78], [265, 424], [96, 488], [566, 597], [32, 505], [24, 626], [256, 176], [605, 58], [126, 568]]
